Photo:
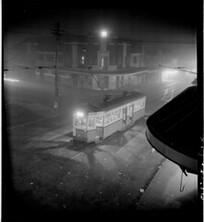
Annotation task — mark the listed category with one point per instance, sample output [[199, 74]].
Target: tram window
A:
[[120, 113], [110, 117], [99, 120], [106, 119], [130, 107], [128, 111], [124, 113], [135, 108], [117, 114], [80, 122], [114, 115], [91, 122]]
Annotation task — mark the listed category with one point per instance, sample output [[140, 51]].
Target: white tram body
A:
[[95, 123]]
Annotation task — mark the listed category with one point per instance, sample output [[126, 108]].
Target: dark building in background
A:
[[116, 63], [81, 51]]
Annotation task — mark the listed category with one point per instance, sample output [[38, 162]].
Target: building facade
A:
[[86, 62], [82, 52], [99, 80]]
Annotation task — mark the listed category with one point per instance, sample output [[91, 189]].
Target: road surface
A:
[[50, 173]]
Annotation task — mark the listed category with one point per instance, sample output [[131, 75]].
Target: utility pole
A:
[[57, 32]]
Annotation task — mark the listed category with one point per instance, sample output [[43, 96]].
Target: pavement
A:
[[166, 192]]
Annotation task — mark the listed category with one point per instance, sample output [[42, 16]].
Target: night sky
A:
[[135, 19]]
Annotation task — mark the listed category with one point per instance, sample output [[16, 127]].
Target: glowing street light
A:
[[104, 33], [103, 49]]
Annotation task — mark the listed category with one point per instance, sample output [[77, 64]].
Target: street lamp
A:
[[104, 33], [103, 49]]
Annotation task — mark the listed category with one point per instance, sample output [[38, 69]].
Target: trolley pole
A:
[[57, 32]]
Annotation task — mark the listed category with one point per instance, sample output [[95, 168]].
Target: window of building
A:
[[60, 58], [135, 59], [129, 80], [122, 81], [106, 81], [50, 58], [40, 57], [82, 80], [83, 60], [89, 81], [86, 78], [102, 62]]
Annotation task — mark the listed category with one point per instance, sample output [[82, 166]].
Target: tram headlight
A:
[[79, 114]]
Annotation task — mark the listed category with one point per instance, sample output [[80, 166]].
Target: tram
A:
[[93, 123]]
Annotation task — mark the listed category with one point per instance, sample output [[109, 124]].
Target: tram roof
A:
[[115, 102]]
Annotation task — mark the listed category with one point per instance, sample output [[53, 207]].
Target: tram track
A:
[[25, 135]]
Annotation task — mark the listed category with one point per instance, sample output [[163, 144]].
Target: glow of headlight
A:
[[11, 80], [170, 72], [79, 114], [167, 74]]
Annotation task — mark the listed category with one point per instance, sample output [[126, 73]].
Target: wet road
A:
[[159, 91]]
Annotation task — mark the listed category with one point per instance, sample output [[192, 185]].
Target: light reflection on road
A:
[[165, 87]]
